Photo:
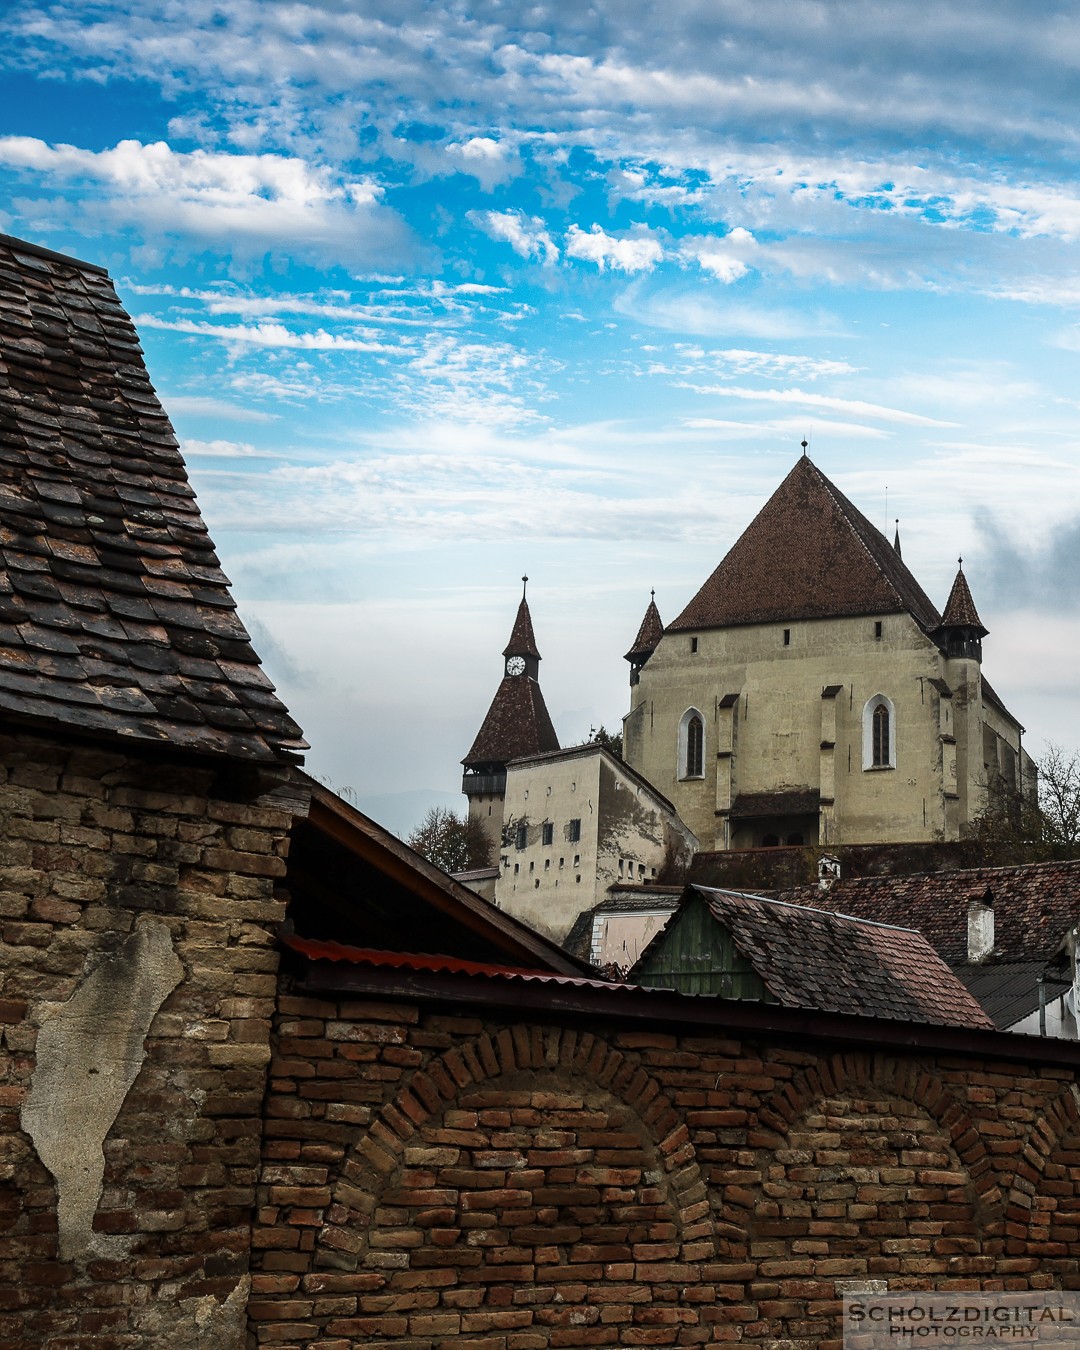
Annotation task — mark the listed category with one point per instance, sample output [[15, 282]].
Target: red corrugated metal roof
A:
[[423, 961]]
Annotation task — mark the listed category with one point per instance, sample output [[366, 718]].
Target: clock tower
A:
[[517, 723]]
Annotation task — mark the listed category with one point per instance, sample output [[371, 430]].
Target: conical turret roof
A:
[[648, 636], [808, 554], [960, 611], [517, 723], [522, 640]]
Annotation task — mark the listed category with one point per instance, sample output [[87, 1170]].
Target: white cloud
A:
[[725, 258], [637, 252], [681, 310], [264, 335], [200, 406], [222, 449], [489, 161], [248, 203], [856, 407], [526, 235]]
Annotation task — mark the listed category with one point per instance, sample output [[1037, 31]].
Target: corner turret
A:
[[647, 640], [961, 631]]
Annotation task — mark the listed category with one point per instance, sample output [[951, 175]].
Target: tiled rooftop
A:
[[115, 617], [808, 554], [1034, 905], [516, 724], [811, 958]]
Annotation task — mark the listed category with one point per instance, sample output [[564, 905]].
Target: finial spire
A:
[[896, 540], [524, 583], [804, 443]]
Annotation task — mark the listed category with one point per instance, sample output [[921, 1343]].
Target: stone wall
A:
[[434, 1179], [137, 981]]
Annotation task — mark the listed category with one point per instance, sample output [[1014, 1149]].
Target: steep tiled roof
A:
[[522, 640], [517, 723], [648, 635], [960, 608], [1034, 905], [811, 958], [808, 554], [115, 617]]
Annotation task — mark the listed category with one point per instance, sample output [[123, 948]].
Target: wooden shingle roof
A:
[[115, 617], [808, 554]]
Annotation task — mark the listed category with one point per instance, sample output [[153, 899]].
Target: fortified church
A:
[[809, 693]]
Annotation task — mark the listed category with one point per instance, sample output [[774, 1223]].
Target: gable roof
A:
[[352, 882], [808, 554], [834, 963], [115, 617], [1034, 905]]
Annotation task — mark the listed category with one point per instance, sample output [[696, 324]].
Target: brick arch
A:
[[1029, 1206], [432, 1090], [885, 1077]]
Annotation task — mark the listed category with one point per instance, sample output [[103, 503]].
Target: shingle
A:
[[815, 958], [808, 554], [97, 519]]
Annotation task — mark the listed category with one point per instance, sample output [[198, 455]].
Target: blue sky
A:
[[440, 294]]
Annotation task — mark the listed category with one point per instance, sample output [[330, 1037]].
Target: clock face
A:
[[515, 666]]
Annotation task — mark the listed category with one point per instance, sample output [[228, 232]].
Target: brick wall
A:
[[433, 1179], [105, 858]]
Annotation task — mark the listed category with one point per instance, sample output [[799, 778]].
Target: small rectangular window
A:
[[693, 644], [577, 859], [787, 637], [521, 838], [877, 630], [575, 830], [548, 832]]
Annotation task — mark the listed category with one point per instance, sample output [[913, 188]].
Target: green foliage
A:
[[1015, 828], [454, 843], [610, 740]]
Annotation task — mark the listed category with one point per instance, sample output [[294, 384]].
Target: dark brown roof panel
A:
[[810, 958], [109, 583], [648, 636], [960, 609], [808, 554], [522, 640], [1034, 905], [517, 723]]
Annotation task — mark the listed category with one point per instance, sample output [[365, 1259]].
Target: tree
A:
[[454, 843], [1017, 828], [610, 740]]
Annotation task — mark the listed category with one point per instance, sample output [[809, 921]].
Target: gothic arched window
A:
[[692, 745], [879, 733]]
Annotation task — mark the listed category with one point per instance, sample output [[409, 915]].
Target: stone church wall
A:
[[137, 982], [434, 1179]]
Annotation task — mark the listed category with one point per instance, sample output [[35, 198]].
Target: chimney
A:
[[981, 927], [828, 871]]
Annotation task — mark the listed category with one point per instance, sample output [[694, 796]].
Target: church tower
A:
[[517, 723]]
